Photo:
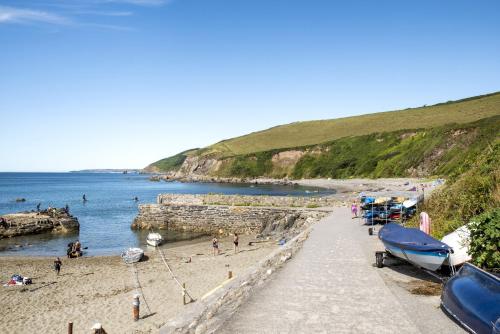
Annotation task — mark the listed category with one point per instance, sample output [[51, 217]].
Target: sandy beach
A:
[[100, 289]]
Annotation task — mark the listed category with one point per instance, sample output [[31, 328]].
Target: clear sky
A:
[[122, 83]]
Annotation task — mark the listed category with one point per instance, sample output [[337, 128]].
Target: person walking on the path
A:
[[354, 210], [236, 241], [215, 246], [57, 266]]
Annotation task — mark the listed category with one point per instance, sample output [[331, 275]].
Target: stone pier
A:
[[195, 214]]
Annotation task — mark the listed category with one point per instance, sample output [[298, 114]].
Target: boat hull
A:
[[472, 297], [414, 246], [154, 239], [427, 260], [132, 255], [459, 242], [153, 243]]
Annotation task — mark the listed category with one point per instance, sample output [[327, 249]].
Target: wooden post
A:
[[135, 307], [184, 293], [70, 328], [229, 274]]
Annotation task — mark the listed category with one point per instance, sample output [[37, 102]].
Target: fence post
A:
[[184, 293], [135, 307]]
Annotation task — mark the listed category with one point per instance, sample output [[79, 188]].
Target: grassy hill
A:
[[372, 137], [171, 163], [441, 151], [315, 132]]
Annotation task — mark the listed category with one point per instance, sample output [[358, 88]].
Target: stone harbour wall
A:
[[221, 219], [248, 200], [16, 224]]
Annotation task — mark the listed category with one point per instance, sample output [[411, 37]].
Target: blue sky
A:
[[122, 83]]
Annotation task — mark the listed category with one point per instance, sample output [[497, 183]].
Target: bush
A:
[[485, 239]]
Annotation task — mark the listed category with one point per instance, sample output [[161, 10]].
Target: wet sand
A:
[[100, 289]]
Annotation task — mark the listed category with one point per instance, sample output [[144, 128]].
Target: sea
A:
[[106, 216]]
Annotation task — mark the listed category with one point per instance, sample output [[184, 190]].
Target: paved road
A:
[[331, 286]]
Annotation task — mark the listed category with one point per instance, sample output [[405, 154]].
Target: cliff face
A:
[[16, 224]]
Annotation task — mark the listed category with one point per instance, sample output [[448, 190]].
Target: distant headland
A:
[[124, 171]]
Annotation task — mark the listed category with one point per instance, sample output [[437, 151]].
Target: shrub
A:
[[485, 239]]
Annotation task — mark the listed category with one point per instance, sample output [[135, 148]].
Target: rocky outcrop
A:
[[55, 221]]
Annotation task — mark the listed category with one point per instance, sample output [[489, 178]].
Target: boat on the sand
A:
[[472, 298], [414, 246], [132, 255], [154, 239]]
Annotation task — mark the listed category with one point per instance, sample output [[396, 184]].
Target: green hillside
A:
[[442, 151], [171, 163], [341, 134], [315, 132]]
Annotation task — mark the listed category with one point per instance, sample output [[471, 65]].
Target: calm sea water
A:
[[106, 217]]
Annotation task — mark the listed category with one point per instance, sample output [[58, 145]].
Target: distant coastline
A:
[[119, 170]]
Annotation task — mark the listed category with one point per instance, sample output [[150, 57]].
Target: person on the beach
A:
[[84, 198], [215, 246], [57, 265], [38, 207], [354, 210], [66, 208], [236, 240]]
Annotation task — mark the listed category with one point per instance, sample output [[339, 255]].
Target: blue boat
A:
[[414, 246], [472, 297]]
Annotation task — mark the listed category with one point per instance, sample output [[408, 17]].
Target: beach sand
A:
[[100, 289]]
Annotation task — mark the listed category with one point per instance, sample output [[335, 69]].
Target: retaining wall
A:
[[209, 313]]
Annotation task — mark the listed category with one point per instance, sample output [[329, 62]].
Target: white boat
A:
[[154, 239], [410, 202], [132, 255], [459, 242]]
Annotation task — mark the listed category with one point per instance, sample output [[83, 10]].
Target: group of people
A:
[[74, 249], [52, 211], [216, 244]]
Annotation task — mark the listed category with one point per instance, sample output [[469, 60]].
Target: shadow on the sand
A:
[[43, 286], [148, 315]]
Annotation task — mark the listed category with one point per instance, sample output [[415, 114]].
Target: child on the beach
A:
[[215, 246], [57, 265], [236, 240], [354, 210]]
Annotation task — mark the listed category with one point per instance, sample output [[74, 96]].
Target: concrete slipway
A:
[[332, 286]]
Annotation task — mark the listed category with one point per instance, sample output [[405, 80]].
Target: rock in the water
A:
[[23, 223]]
